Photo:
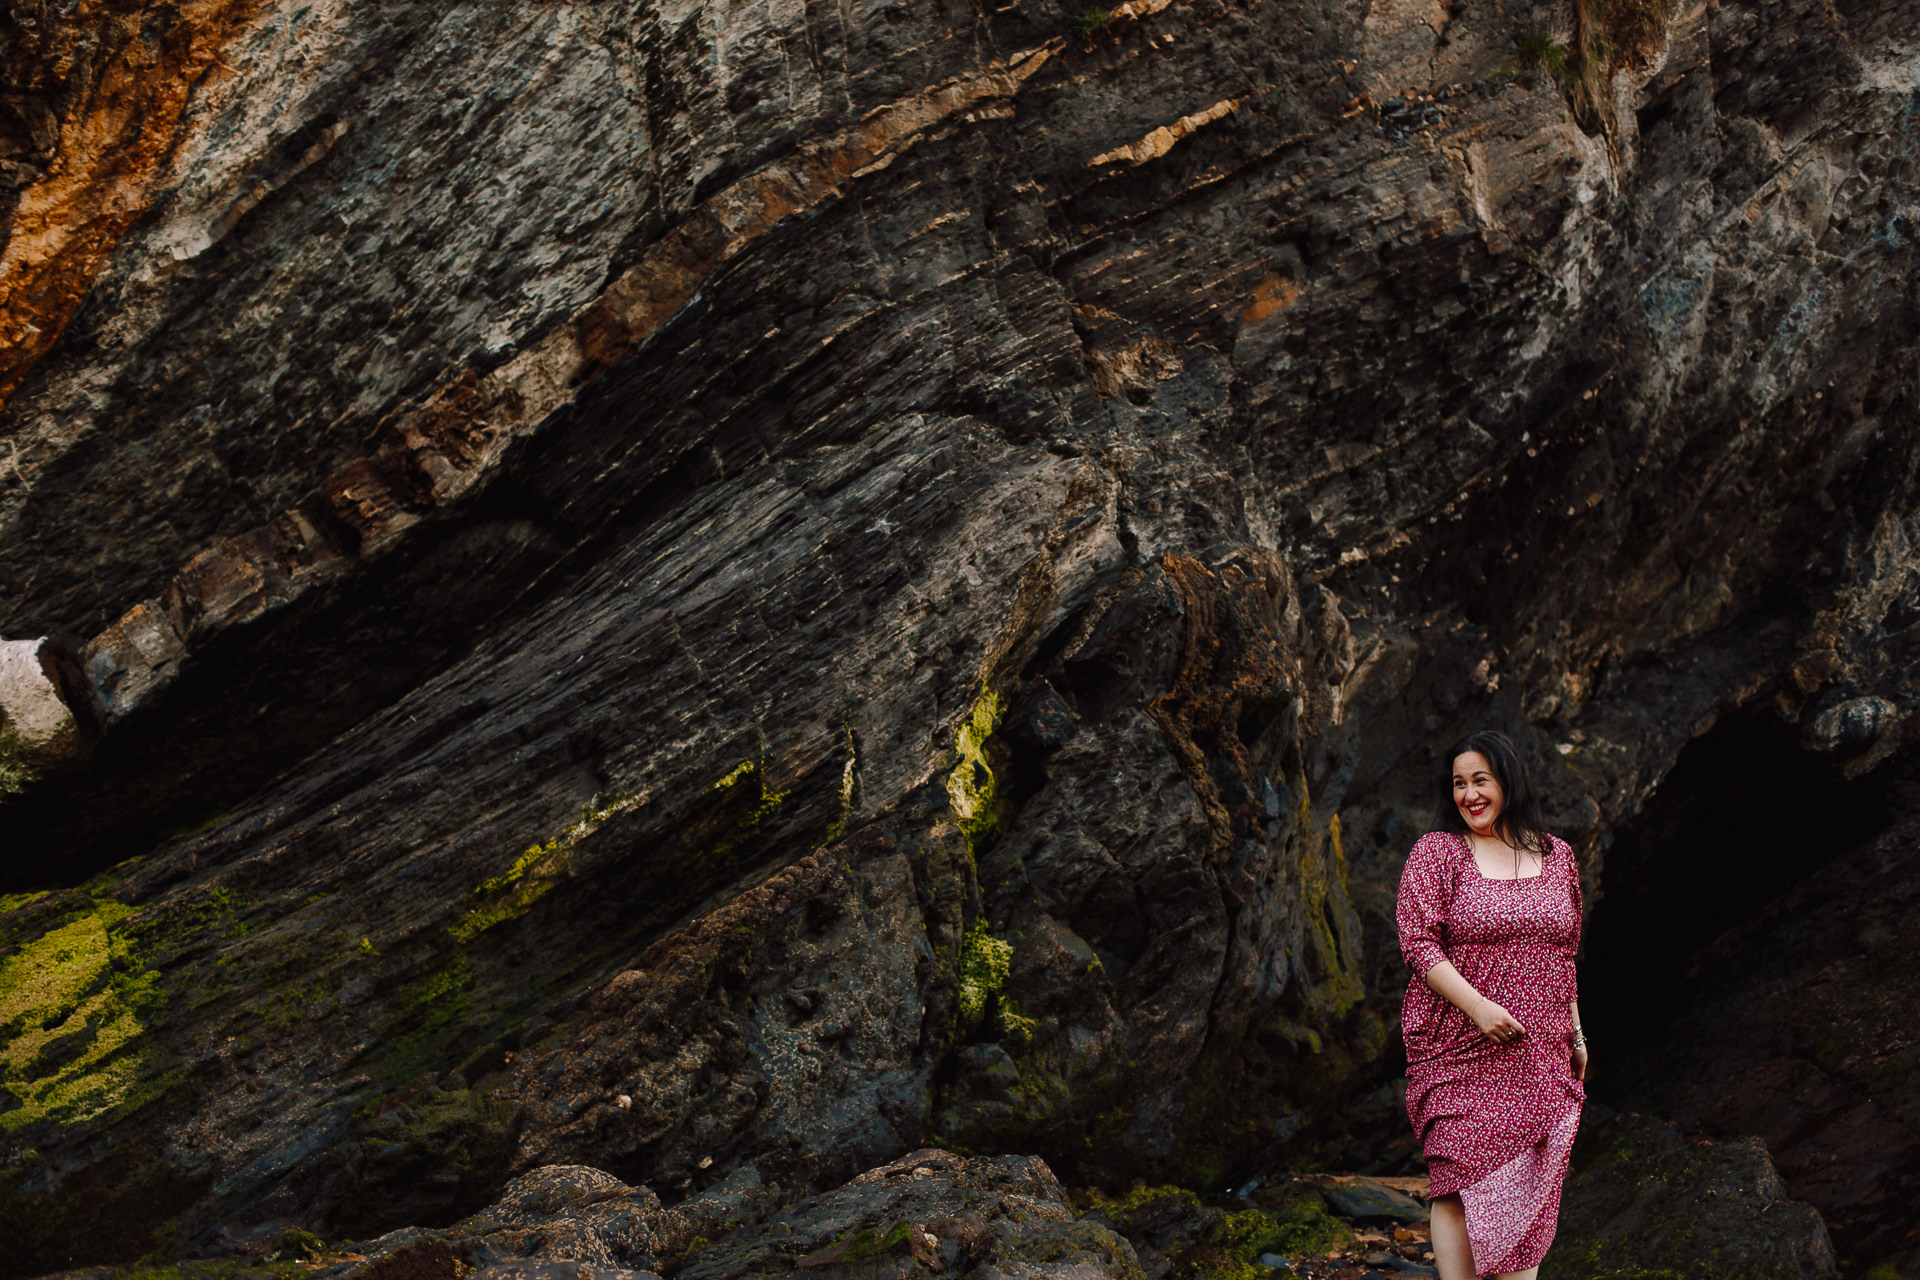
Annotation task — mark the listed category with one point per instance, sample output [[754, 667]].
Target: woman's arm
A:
[[1579, 1042], [1494, 1022]]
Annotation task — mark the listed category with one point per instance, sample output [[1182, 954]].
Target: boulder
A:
[[1365, 1200], [576, 1214], [38, 730], [1644, 1200], [928, 1212]]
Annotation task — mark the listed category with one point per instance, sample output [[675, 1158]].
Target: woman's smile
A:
[[1477, 793]]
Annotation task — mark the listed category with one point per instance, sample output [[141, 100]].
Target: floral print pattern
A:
[[1496, 1121]]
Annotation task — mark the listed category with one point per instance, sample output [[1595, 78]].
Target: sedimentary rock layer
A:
[[845, 573]]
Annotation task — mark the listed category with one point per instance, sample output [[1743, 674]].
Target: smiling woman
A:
[[1489, 919]]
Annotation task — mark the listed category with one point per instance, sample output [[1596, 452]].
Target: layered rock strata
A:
[[694, 588]]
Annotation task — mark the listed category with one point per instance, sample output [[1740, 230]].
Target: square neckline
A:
[[1541, 874]]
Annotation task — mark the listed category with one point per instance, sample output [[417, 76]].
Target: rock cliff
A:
[[685, 587]]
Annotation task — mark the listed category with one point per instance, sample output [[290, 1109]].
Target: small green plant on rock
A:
[[296, 1245], [1092, 22], [1609, 36], [1540, 49]]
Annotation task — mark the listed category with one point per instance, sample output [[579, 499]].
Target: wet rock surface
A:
[[685, 592]]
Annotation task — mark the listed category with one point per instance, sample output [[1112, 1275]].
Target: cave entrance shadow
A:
[[1744, 815]]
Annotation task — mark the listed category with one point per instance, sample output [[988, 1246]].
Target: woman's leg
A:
[[1452, 1255], [1531, 1273]]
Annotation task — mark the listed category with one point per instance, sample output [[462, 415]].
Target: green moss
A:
[[10, 902], [296, 1245], [1204, 1244], [1291, 1218], [1137, 1197], [732, 778], [540, 868], [75, 1004], [1015, 1026], [972, 790], [1339, 851], [984, 961], [871, 1243], [275, 1266], [514, 874], [748, 823], [438, 996], [199, 923], [1092, 22], [288, 1005], [1337, 983]]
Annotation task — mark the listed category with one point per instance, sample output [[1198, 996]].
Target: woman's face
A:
[[1477, 792]]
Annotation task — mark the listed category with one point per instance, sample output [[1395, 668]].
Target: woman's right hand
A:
[[1496, 1023]]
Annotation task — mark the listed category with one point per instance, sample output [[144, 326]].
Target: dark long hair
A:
[[1521, 822]]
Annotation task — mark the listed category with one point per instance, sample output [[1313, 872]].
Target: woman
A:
[[1489, 919]]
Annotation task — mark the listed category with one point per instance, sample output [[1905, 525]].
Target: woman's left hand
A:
[[1580, 1063]]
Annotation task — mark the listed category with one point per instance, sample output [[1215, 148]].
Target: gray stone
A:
[[38, 730], [1851, 726], [1365, 1200]]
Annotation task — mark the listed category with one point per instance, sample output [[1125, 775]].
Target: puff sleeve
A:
[[1427, 886]]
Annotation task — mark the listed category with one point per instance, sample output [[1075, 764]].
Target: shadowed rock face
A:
[[1792, 1023], [845, 575], [1642, 1201]]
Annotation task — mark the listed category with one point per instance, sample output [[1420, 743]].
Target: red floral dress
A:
[[1496, 1121]]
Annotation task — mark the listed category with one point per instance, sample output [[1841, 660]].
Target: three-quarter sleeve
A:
[[1426, 893]]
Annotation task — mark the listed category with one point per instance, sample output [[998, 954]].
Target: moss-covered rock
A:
[[1203, 1242]]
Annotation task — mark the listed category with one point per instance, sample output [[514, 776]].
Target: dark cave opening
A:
[[1745, 814]]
